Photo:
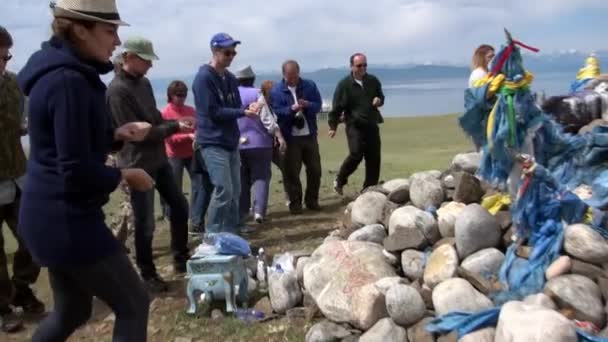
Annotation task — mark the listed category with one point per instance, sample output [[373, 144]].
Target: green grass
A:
[[408, 145]]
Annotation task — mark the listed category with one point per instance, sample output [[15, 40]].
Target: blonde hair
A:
[[479, 57], [64, 28]]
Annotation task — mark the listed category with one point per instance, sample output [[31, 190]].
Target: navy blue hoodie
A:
[[218, 106], [67, 183]]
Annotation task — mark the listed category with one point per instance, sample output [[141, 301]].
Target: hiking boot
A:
[[246, 229], [313, 206], [295, 208], [196, 230], [156, 284], [179, 267], [338, 188], [26, 299], [9, 322]]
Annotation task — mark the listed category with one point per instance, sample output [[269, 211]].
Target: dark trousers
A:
[[143, 211], [278, 159], [25, 271], [114, 281], [303, 150], [363, 143]]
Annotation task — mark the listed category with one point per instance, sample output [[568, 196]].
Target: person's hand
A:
[[376, 102], [331, 133], [296, 107], [255, 107], [132, 131], [303, 103], [137, 179], [186, 124], [251, 113], [282, 145]]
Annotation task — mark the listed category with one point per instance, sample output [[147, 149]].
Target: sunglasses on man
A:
[[181, 94], [7, 57], [359, 66], [229, 53]]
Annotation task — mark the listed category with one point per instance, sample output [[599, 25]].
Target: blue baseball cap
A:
[[223, 40]]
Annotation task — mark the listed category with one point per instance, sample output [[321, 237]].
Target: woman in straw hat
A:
[[68, 182]]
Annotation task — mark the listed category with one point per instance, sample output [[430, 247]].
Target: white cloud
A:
[[320, 33]]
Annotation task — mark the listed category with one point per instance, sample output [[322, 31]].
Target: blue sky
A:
[[321, 33]]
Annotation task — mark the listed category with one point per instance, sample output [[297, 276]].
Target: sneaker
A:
[[338, 188], [258, 218], [26, 299], [156, 284], [179, 267], [313, 207], [246, 229], [196, 230]]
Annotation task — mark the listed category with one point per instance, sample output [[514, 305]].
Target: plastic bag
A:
[[230, 244]]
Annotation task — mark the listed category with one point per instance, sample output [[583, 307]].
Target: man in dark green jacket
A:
[[14, 291], [357, 98]]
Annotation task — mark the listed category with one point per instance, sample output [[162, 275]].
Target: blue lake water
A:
[[419, 97]]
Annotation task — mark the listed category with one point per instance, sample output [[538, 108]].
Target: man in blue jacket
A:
[[296, 102], [218, 106]]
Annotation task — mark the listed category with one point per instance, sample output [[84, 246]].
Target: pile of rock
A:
[[398, 263]]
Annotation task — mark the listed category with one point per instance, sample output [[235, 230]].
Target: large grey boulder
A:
[[485, 262], [468, 162], [481, 335], [386, 331], [476, 229], [426, 191], [341, 277], [580, 294], [446, 218], [584, 243], [405, 305], [519, 322], [457, 294], [375, 233], [413, 263], [326, 331], [442, 265], [368, 208], [284, 291]]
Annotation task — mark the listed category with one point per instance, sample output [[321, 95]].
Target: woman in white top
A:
[[481, 59]]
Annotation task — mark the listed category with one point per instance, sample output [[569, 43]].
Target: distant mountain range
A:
[[559, 62]]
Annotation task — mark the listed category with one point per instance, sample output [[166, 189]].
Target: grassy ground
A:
[[408, 145]]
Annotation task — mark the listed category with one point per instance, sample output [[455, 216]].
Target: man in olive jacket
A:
[[358, 97]]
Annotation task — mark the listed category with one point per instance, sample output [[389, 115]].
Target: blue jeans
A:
[[224, 169], [143, 212]]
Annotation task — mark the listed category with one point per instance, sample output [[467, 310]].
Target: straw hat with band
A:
[[103, 11]]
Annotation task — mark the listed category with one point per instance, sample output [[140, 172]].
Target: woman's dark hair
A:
[[64, 28], [247, 82], [6, 41], [176, 87]]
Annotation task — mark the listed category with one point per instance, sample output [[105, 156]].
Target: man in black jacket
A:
[[358, 97]]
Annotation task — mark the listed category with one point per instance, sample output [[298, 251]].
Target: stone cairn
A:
[[394, 266]]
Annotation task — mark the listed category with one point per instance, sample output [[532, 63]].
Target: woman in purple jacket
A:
[[256, 145]]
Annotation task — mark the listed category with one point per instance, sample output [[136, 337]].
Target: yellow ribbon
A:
[[496, 203]]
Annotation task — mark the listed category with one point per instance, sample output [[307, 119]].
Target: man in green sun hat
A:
[[130, 98]]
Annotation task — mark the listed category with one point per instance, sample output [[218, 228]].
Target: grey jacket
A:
[[130, 99]]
